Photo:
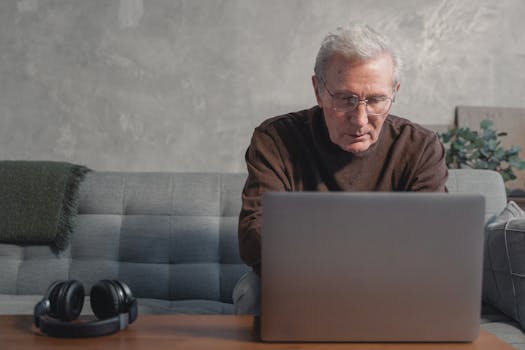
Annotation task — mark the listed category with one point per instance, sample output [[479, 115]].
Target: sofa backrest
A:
[[487, 182], [169, 236]]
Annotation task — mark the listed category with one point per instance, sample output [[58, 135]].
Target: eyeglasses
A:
[[376, 105]]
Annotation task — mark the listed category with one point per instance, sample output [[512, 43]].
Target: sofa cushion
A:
[[504, 284]]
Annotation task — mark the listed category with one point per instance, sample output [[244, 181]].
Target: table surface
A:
[[180, 332]]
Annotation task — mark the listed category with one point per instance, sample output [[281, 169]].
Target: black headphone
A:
[[111, 302]]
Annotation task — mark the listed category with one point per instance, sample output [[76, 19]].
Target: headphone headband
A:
[[64, 329], [57, 325]]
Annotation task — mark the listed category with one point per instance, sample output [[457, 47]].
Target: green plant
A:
[[481, 150]]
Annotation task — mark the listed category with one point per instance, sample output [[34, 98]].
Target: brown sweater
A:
[[293, 152]]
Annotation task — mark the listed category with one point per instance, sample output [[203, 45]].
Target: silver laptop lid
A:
[[371, 266]]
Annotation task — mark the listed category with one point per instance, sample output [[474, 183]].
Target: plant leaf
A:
[[485, 123], [483, 150]]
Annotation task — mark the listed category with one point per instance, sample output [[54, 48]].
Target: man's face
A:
[[355, 131]]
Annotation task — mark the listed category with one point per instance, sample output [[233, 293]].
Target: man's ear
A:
[[396, 89], [316, 85]]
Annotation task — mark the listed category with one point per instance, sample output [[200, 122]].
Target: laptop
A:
[[371, 267]]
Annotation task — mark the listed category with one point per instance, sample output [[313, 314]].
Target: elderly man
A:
[[349, 142]]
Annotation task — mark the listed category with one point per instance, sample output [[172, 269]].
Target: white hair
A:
[[357, 42]]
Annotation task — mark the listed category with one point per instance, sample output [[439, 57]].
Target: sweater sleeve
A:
[[430, 170], [266, 172]]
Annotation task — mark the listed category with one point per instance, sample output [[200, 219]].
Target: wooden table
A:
[[187, 332]]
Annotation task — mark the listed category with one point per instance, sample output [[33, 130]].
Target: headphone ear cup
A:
[[53, 299], [105, 299], [66, 300], [129, 303]]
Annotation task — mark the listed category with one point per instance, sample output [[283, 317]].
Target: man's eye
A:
[[376, 100], [349, 100]]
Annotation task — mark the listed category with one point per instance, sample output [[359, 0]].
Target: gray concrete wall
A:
[[167, 85]]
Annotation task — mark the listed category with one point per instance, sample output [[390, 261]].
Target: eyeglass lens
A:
[[374, 105]]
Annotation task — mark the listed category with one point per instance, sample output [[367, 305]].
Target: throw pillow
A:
[[504, 271]]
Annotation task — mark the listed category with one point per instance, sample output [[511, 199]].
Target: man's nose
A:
[[360, 116]]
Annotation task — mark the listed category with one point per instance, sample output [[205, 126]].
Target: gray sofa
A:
[[172, 237]]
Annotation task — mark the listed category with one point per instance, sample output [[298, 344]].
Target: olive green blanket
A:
[[38, 201]]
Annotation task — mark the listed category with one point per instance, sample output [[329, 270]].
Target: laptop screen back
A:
[[371, 266]]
